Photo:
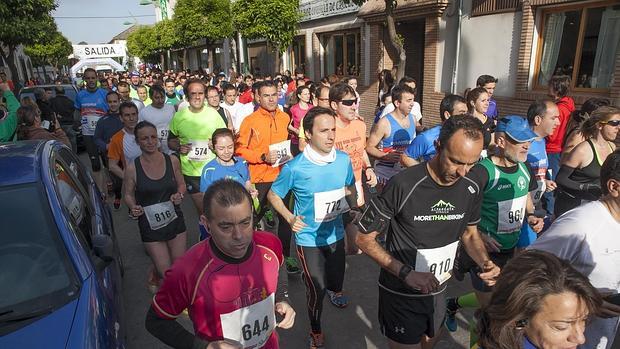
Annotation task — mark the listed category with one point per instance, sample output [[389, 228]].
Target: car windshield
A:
[[29, 92], [36, 270]]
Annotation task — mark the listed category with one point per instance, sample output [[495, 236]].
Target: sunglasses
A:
[[349, 102], [613, 123]]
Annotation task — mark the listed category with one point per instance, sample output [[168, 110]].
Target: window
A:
[[487, 7], [582, 43], [341, 53], [298, 56]]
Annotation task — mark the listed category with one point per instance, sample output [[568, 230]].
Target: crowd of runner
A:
[[527, 205]]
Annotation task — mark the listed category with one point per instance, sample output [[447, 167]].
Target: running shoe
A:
[[292, 267], [117, 203], [451, 309], [317, 340], [338, 299]]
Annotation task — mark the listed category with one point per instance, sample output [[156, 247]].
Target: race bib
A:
[[162, 133], [283, 150], [160, 215], [252, 325], [329, 204], [200, 151], [91, 121], [510, 215], [438, 261]]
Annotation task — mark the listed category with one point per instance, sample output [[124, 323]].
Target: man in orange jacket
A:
[[263, 142]]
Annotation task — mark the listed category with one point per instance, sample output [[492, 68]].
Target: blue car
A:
[[60, 284]]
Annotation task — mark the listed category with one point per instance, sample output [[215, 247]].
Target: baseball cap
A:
[[516, 127]]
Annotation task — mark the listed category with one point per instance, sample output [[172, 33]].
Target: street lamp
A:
[[161, 4]]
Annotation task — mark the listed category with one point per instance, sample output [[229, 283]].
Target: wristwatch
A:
[[404, 271]]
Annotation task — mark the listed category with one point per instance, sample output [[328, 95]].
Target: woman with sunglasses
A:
[[579, 176], [225, 165]]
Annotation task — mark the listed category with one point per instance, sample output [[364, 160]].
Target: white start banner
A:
[[99, 51]]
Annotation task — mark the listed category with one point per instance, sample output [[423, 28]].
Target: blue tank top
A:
[[399, 138]]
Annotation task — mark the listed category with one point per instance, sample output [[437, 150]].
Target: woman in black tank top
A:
[[477, 105], [154, 189], [579, 177]]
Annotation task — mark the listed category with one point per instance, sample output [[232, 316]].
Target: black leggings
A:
[[93, 153], [284, 230], [323, 269]]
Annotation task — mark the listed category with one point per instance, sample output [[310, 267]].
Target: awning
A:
[[94, 62]]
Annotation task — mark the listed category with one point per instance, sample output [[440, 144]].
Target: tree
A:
[[273, 20], [396, 41], [142, 43], [23, 22], [201, 19], [52, 49]]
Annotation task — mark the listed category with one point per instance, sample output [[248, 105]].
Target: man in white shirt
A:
[[231, 104], [589, 238], [159, 113]]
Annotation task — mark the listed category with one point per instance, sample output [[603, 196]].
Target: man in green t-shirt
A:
[[8, 113], [190, 134], [506, 205]]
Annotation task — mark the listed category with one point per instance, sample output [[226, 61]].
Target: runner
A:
[[542, 117], [416, 110], [123, 91], [573, 130], [154, 189], [506, 183], [322, 181], [263, 143], [322, 100], [91, 102], [424, 211], [587, 237], [107, 127], [172, 97], [297, 112], [229, 283], [423, 146], [159, 113], [143, 95], [134, 78], [213, 100], [225, 165], [190, 134], [579, 177], [231, 104], [478, 105], [394, 133], [123, 148], [488, 83]]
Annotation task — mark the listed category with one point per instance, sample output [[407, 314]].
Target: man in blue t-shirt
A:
[[322, 180], [543, 117], [423, 146]]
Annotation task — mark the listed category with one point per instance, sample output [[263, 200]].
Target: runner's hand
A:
[[225, 344], [297, 223], [423, 282], [550, 185], [489, 273], [393, 156], [137, 211], [372, 177], [285, 309], [185, 148], [536, 223], [176, 198], [491, 244], [272, 158], [609, 310]]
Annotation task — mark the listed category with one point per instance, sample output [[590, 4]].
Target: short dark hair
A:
[[112, 93], [397, 92], [560, 84], [191, 81], [538, 107], [228, 87], [169, 80], [470, 125], [225, 192], [338, 91], [141, 125], [472, 95], [447, 105], [221, 132], [308, 120], [122, 84], [407, 80], [485, 79], [320, 89], [156, 89], [126, 105], [610, 170], [91, 70], [267, 83], [211, 88]]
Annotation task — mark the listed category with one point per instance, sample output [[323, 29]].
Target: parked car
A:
[[60, 285]]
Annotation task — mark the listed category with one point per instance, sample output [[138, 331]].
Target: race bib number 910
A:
[[438, 261]]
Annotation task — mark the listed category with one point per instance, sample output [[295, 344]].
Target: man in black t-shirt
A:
[[424, 211]]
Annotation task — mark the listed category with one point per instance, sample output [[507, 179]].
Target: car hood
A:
[[50, 331]]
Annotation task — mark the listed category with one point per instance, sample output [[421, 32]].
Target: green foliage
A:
[[274, 20], [25, 21], [143, 43], [165, 35], [202, 19], [52, 49]]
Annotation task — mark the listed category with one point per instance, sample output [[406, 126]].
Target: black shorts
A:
[[163, 234], [499, 258], [192, 183], [405, 319]]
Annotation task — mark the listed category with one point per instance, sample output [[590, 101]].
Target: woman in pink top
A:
[[298, 111]]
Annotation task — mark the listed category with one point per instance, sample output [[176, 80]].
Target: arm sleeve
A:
[[171, 332], [587, 191], [245, 134], [382, 208], [284, 181]]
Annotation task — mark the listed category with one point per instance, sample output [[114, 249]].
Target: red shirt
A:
[[566, 106], [246, 97], [224, 298]]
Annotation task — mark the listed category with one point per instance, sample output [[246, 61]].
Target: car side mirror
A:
[[104, 250]]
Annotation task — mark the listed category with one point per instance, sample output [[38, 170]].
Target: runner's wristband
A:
[[404, 271]]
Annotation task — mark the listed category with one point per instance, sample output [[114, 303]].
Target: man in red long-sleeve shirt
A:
[[559, 87]]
